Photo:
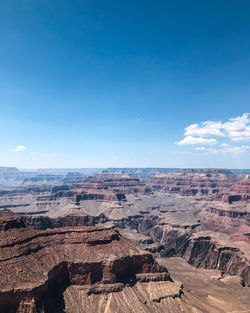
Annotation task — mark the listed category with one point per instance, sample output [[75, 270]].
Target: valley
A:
[[181, 239]]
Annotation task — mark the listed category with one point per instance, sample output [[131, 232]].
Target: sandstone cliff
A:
[[42, 270]]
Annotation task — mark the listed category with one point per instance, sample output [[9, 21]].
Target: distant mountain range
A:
[[12, 177]]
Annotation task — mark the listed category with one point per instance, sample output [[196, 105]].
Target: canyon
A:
[[92, 241]]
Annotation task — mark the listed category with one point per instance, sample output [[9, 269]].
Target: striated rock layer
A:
[[55, 270], [202, 249], [240, 191], [191, 182]]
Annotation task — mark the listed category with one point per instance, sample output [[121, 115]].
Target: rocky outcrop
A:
[[204, 251], [71, 220], [119, 185], [225, 218], [9, 220], [104, 196], [192, 182], [37, 267], [240, 191], [200, 249]]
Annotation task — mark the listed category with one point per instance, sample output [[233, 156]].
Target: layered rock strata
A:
[[39, 268], [203, 182], [202, 249], [240, 191]]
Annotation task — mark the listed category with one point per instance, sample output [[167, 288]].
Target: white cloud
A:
[[236, 128], [200, 149], [210, 133], [190, 140], [19, 148], [236, 149], [205, 129], [226, 150]]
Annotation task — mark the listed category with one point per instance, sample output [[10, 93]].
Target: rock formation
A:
[[240, 191], [41, 270], [201, 216], [193, 182]]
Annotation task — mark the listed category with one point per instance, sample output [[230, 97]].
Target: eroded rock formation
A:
[[190, 182], [39, 267], [201, 216]]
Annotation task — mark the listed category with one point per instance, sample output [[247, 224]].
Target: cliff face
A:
[[70, 220], [240, 191], [9, 220], [194, 182], [205, 251], [227, 219], [37, 267], [202, 249]]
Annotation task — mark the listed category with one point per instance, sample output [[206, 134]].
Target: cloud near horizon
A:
[[235, 129], [225, 150], [190, 140], [19, 148]]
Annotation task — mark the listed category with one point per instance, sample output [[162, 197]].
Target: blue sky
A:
[[114, 83]]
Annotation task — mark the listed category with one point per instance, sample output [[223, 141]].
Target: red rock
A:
[[37, 266], [193, 182]]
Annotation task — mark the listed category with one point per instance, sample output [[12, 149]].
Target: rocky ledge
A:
[[37, 267]]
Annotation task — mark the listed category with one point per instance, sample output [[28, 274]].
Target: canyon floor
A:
[[207, 289]]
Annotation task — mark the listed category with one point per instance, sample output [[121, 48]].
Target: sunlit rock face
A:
[[240, 191], [201, 182], [37, 267]]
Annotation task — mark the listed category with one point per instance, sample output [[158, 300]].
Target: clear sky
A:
[[87, 83]]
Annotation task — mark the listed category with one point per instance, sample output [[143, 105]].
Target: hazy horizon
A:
[[104, 168]]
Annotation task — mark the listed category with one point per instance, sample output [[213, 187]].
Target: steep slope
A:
[[42, 270]]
